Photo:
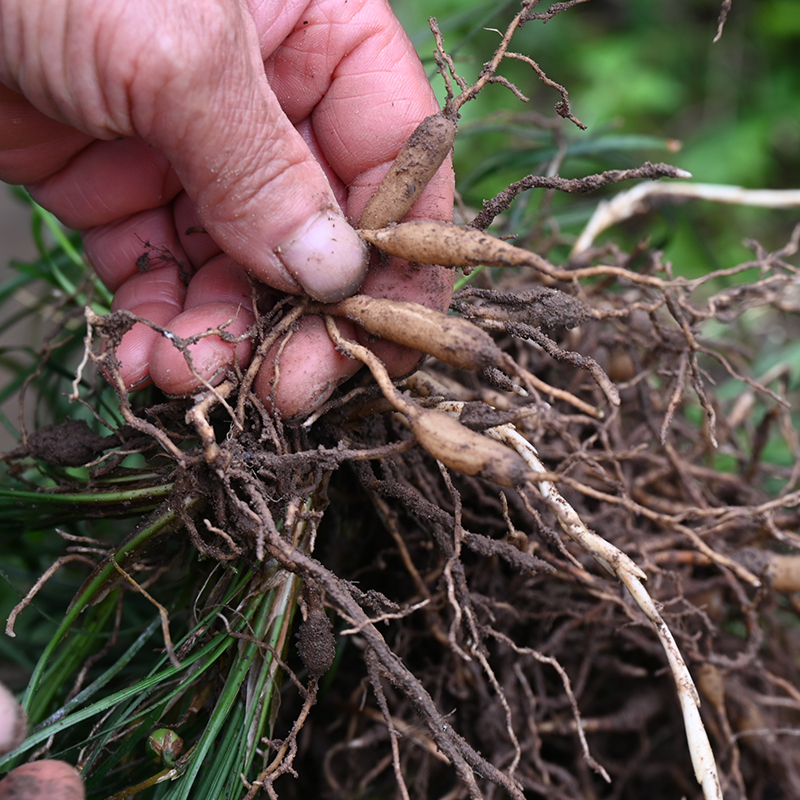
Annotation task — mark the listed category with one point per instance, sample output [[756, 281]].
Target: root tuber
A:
[[467, 451], [416, 163], [453, 340], [448, 245]]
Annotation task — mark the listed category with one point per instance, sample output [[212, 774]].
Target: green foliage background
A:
[[641, 75]]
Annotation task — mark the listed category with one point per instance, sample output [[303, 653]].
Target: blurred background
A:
[[648, 81]]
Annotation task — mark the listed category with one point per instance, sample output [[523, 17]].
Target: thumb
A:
[[187, 76], [258, 189]]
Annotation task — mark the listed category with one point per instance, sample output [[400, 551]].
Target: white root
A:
[[608, 556], [613, 559], [705, 767], [623, 567], [646, 195]]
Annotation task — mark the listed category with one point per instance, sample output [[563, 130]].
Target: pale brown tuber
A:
[[465, 450], [416, 163], [454, 340], [448, 245]]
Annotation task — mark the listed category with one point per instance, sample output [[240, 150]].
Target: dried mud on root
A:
[[496, 652], [464, 630], [499, 654]]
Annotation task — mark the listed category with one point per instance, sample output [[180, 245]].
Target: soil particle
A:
[[70, 444], [316, 644], [546, 308]]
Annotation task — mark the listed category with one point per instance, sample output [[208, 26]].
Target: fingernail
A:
[[326, 257]]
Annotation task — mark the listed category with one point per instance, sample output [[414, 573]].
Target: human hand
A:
[[135, 122], [39, 780]]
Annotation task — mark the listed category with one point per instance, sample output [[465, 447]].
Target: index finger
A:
[[353, 71], [353, 74]]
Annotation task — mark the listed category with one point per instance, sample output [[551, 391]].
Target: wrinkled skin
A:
[[261, 122], [265, 123], [40, 780]]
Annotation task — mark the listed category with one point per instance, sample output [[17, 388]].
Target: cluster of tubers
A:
[[453, 340]]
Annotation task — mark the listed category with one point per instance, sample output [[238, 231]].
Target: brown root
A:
[[433, 242], [415, 165], [459, 448], [454, 340]]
